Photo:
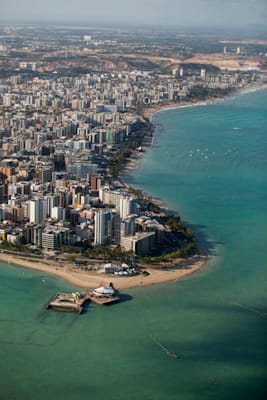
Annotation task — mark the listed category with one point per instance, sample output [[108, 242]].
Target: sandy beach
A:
[[148, 112], [84, 279]]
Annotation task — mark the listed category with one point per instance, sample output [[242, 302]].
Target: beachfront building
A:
[[32, 234], [55, 237], [127, 205], [110, 268], [127, 226], [140, 244], [112, 197], [152, 225], [15, 236]]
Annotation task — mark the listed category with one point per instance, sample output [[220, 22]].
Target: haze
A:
[[163, 12]]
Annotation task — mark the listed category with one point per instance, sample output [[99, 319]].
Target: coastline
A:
[[158, 275], [148, 112], [179, 269], [132, 162]]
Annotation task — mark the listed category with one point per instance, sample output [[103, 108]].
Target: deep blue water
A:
[[208, 163]]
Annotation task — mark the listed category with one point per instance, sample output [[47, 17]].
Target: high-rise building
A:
[[202, 73], [127, 206], [14, 213], [64, 198], [100, 227], [118, 198], [140, 244], [3, 193], [58, 213], [7, 100], [53, 238], [95, 182], [37, 235], [37, 211], [127, 227], [51, 201], [107, 227], [45, 174]]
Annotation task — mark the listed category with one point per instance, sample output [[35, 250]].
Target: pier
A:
[[103, 300], [75, 302], [71, 302]]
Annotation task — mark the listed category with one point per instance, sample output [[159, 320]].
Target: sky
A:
[[151, 12]]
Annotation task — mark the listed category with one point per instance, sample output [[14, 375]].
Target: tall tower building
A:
[[100, 225], [95, 181], [51, 201], [3, 193], [202, 73], [37, 211], [127, 206], [64, 198], [107, 227], [58, 213], [7, 100], [127, 227]]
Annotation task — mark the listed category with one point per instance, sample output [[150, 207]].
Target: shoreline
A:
[[132, 163], [179, 269], [174, 271], [148, 112]]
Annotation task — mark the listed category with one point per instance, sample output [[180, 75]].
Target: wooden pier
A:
[[71, 302], [75, 302]]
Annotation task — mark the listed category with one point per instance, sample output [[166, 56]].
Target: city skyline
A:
[[163, 12]]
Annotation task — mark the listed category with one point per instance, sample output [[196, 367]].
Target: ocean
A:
[[209, 164]]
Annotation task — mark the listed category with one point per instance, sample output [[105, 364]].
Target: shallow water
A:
[[212, 170]]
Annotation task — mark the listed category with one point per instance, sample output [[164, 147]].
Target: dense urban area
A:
[[74, 106]]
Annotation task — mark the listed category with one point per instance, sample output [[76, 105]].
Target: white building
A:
[[53, 238], [127, 206], [7, 100], [37, 211], [51, 201], [58, 213], [101, 217], [202, 73], [120, 199], [140, 244], [107, 227]]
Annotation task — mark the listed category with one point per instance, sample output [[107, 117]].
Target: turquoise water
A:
[[209, 164]]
